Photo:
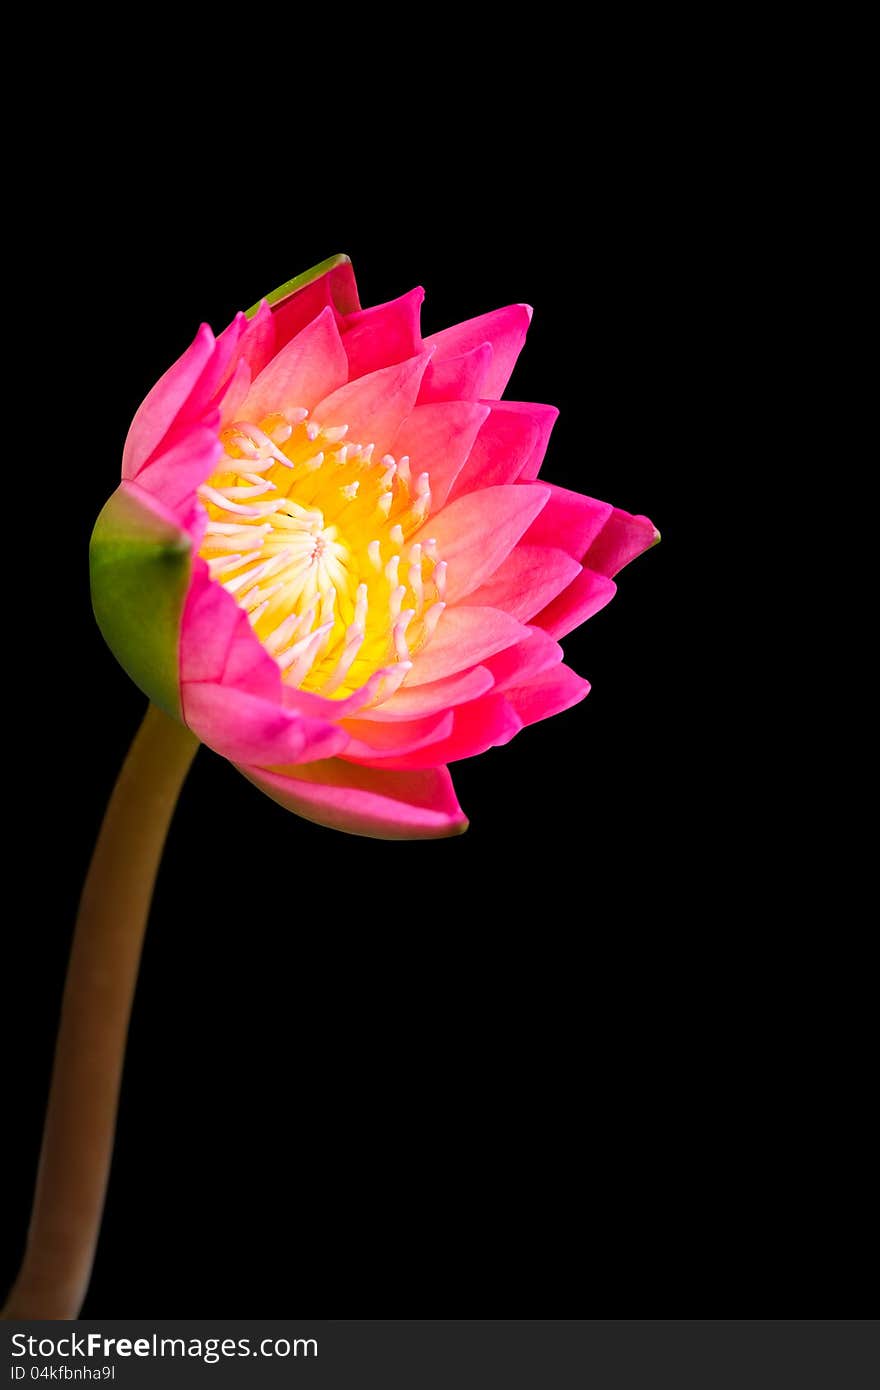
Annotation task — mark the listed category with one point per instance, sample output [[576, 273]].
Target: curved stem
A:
[[105, 955]]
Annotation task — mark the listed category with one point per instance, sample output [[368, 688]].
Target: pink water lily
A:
[[330, 555]]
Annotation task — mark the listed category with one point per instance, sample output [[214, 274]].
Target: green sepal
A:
[[140, 566], [299, 282]]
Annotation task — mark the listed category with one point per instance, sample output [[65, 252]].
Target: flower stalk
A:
[[98, 994]]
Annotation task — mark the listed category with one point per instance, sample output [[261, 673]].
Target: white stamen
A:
[[399, 633], [395, 601], [430, 621]]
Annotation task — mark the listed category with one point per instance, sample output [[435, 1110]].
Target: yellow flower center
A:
[[313, 537]]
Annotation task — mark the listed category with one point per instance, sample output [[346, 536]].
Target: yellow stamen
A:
[[314, 539]]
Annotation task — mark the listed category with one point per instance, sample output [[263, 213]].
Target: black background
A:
[[482, 1074]]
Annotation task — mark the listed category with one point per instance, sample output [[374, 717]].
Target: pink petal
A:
[[258, 345], [217, 642], [524, 583], [519, 664], [505, 329], [438, 439], [503, 447], [457, 378], [384, 805], [412, 702], [464, 638], [248, 728], [569, 520], [548, 694], [476, 532], [158, 411], [584, 596], [622, 538], [512, 437], [176, 473], [383, 335], [371, 741], [306, 370], [337, 289], [375, 406], [544, 417], [486, 723]]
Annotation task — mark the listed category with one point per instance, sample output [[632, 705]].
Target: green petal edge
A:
[[299, 282], [140, 567]]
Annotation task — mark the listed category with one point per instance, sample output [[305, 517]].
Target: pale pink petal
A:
[[464, 638], [249, 728], [338, 289], [584, 596], [412, 702], [383, 335], [167, 398], [306, 370], [381, 804], [622, 538], [570, 520], [505, 329], [375, 406], [486, 723], [476, 532], [508, 442], [371, 741], [519, 664], [438, 438], [548, 694], [457, 378], [524, 583]]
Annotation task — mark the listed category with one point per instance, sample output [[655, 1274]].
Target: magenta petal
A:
[[569, 520], [476, 532], [160, 408], [622, 538], [548, 694], [382, 804], [375, 406], [464, 638], [524, 583], [438, 438], [249, 728], [306, 370], [336, 289], [383, 335], [486, 723], [584, 596], [457, 378], [505, 329]]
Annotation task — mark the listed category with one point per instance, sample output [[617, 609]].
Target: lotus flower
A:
[[330, 555]]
